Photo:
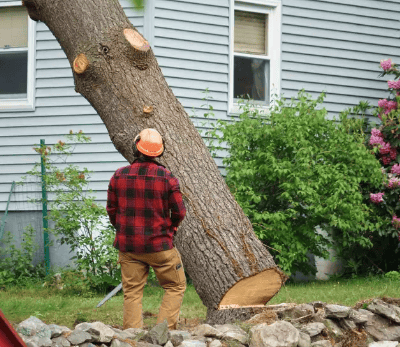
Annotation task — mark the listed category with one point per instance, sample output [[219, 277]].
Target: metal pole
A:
[[4, 218], [44, 210]]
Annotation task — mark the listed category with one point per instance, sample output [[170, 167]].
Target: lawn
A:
[[58, 307]]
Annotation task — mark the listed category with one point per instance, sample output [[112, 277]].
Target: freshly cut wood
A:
[[255, 290], [219, 249]]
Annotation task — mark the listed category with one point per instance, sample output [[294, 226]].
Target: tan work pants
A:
[[168, 268]]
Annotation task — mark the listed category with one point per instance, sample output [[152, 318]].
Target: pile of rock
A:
[[287, 325]]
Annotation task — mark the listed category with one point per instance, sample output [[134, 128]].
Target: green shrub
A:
[[78, 221], [16, 265], [292, 171], [393, 275]]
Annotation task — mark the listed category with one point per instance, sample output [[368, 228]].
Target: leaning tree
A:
[[116, 71]]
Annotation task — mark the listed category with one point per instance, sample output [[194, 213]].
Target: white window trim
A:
[[28, 103], [274, 9]]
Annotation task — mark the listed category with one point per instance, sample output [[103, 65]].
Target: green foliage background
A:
[[293, 172]]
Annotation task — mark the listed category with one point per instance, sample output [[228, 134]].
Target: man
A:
[[145, 206]]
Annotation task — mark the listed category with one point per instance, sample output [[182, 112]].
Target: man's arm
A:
[[112, 201], [175, 203]]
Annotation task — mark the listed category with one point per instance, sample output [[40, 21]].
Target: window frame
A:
[[28, 103], [273, 8]]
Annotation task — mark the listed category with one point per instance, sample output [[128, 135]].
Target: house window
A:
[[255, 54], [16, 58]]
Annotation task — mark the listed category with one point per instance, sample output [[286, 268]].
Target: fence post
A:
[[44, 210]]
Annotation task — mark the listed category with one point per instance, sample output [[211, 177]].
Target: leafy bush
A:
[[292, 171], [16, 265], [77, 218], [384, 142]]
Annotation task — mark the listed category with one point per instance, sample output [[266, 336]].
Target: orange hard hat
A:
[[150, 143]]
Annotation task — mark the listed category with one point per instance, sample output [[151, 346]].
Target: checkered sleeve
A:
[[112, 201], [175, 203]]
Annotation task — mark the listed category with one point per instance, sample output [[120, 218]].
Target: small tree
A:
[[292, 170], [78, 221]]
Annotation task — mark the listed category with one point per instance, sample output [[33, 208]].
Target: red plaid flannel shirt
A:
[[145, 206]]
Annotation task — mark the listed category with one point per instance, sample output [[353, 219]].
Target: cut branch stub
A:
[[147, 110], [81, 63], [136, 40]]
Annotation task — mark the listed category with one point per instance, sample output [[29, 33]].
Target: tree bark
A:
[[116, 71]]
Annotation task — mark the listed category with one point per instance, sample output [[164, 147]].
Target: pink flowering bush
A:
[[384, 202]]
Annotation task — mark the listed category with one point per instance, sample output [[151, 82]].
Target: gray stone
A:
[[33, 326], [193, 343], [384, 344], [135, 332], [169, 344], [322, 343], [296, 312], [381, 329], [99, 331], [347, 324], [87, 344], [58, 330], [123, 335], [60, 341], [358, 317], [313, 329], [304, 340], [337, 311], [186, 335], [78, 337], [206, 330], [118, 343], [176, 339], [384, 309], [37, 332], [215, 343], [36, 340], [31, 344], [232, 332], [145, 344], [158, 335], [278, 334], [333, 329]]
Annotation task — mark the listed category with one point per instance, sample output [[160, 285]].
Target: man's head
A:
[[149, 143]]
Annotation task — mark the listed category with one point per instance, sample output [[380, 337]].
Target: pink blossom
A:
[[394, 84], [393, 153], [396, 222], [385, 149], [376, 140], [393, 183], [395, 169], [376, 132], [382, 103], [386, 160], [386, 64], [391, 105], [376, 198]]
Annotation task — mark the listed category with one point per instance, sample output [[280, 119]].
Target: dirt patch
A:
[[354, 338]]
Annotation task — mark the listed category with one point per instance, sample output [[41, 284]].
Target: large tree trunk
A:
[[116, 71]]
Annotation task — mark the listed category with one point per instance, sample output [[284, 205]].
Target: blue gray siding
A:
[[191, 42], [336, 46]]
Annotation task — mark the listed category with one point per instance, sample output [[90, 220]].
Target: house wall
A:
[[181, 40], [336, 46], [327, 45]]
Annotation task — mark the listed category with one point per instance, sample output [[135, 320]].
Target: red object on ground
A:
[[8, 336]]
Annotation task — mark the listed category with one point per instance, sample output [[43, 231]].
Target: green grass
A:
[[57, 307]]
